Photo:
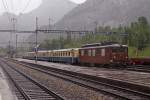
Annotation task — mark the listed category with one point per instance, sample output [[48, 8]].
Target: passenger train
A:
[[97, 54]]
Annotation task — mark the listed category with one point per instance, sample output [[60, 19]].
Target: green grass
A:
[[143, 53]]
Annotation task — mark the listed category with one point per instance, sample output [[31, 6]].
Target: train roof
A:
[[99, 44], [106, 46], [57, 50], [66, 49]]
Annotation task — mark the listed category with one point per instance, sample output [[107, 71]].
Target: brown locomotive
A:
[[103, 53]]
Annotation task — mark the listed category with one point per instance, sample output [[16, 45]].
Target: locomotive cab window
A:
[[119, 49], [98, 51]]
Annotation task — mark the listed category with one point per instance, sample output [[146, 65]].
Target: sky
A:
[[78, 1], [23, 6]]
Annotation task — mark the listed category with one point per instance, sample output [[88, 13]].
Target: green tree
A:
[[139, 33]]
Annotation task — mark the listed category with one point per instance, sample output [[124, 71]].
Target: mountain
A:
[[54, 9], [104, 12]]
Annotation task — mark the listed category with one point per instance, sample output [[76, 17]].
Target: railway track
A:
[[27, 88], [139, 68], [115, 88]]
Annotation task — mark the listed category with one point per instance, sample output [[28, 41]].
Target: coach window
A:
[[61, 53], [55, 54], [65, 53], [93, 53], [89, 53], [103, 52], [42, 54], [82, 52]]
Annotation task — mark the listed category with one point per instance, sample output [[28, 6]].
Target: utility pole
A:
[[96, 26], [36, 47], [49, 23], [68, 35], [13, 20], [16, 44], [9, 51]]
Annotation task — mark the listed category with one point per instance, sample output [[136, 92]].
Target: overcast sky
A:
[[23, 6]]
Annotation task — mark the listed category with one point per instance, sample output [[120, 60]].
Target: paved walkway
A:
[[139, 78], [5, 92]]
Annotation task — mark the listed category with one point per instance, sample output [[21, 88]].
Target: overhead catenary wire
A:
[[24, 9], [26, 6], [5, 5], [12, 5], [6, 9]]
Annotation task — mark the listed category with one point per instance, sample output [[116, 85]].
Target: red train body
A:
[[105, 54]]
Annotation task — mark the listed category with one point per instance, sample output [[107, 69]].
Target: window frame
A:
[[94, 52], [89, 52], [103, 52]]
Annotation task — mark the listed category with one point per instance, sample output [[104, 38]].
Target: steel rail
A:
[[26, 96], [101, 81]]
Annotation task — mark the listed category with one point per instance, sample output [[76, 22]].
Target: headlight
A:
[[111, 61], [114, 57]]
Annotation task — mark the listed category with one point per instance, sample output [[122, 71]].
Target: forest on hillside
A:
[[136, 36]]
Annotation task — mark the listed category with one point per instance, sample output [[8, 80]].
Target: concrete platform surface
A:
[[139, 78], [5, 91]]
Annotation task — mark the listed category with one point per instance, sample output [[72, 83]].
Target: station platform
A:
[[5, 91], [139, 78]]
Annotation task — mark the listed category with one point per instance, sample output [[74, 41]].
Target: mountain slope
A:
[[54, 9], [104, 12]]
